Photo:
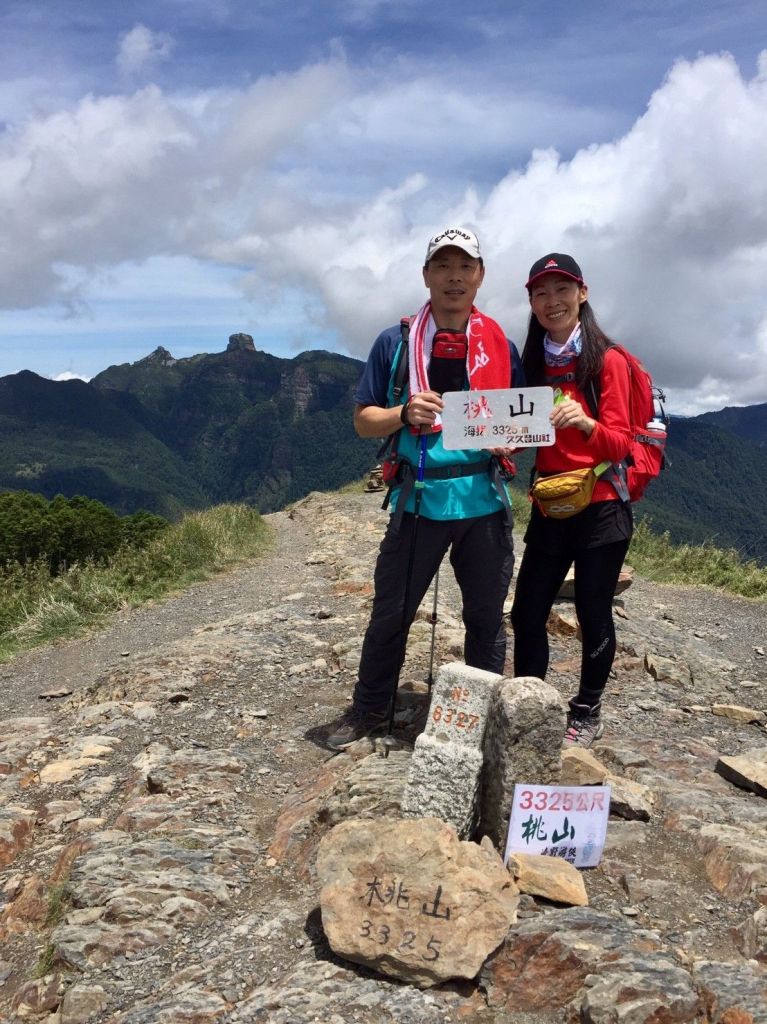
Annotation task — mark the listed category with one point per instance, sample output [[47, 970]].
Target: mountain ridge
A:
[[171, 434]]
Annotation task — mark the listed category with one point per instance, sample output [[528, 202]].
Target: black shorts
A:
[[603, 522]]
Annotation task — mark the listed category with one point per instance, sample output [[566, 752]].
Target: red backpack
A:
[[649, 426]]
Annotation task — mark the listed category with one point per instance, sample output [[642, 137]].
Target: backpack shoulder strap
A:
[[399, 380], [401, 361], [617, 472], [594, 389], [593, 394]]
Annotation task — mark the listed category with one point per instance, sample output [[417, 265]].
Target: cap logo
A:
[[551, 263], [452, 233]]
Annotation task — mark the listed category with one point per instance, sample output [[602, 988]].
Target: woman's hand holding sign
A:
[[569, 413]]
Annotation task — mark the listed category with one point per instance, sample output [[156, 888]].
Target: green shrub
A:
[[138, 529], [657, 558], [65, 531]]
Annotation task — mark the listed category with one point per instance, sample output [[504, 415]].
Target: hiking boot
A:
[[584, 725], [355, 725]]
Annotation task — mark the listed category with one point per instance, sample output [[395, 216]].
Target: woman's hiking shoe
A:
[[584, 725], [355, 725]]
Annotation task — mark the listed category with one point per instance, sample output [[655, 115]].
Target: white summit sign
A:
[[508, 417]]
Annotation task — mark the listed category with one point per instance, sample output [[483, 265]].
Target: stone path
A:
[[158, 828]]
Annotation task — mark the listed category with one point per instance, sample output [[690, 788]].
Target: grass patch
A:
[[59, 900], [45, 961], [37, 608], [656, 558], [354, 486], [520, 503]]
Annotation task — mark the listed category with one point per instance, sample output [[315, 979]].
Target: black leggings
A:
[[596, 577]]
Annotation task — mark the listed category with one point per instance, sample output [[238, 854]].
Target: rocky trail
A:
[[159, 823]]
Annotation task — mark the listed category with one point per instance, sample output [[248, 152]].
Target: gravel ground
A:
[[270, 717], [735, 625], [74, 663]]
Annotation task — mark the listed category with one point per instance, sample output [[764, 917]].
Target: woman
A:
[[566, 348]]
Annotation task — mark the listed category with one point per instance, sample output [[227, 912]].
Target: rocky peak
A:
[[240, 343], [160, 357]]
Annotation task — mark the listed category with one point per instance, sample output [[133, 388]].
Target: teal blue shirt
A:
[[453, 498]]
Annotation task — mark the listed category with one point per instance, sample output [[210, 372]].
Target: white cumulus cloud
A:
[[141, 49], [297, 179], [669, 223], [68, 375]]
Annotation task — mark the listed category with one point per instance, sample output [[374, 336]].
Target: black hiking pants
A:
[[541, 574], [482, 557]]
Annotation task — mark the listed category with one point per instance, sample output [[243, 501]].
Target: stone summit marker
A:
[[446, 768], [410, 900]]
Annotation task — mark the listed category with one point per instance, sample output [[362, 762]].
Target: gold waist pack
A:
[[565, 494]]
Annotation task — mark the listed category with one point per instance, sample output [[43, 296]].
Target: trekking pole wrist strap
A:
[[403, 413]]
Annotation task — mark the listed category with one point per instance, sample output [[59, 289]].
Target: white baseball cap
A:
[[461, 238]]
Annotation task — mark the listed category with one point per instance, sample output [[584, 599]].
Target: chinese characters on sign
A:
[[560, 821], [509, 417], [414, 931]]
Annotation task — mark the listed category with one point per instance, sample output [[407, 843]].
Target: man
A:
[[463, 503]]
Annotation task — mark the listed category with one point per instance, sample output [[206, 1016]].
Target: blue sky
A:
[[174, 172]]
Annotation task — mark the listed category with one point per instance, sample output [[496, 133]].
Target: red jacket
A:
[[611, 437]]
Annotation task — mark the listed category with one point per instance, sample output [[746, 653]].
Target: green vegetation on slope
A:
[[746, 421], [66, 437], [170, 435], [714, 491], [173, 435], [657, 558], [37, 606], [68, 530], [250, 426]]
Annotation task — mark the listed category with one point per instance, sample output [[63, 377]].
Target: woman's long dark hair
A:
[[589, 363]]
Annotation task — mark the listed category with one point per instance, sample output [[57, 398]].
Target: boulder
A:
[[522, 744], [643, 989], [581, 768], [748, 770], [544, 961], [739, 713], [16, 825], [411, 900], [550, 877]]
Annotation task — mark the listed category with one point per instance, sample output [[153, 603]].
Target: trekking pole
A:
[[388, 740], [430, 677]]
